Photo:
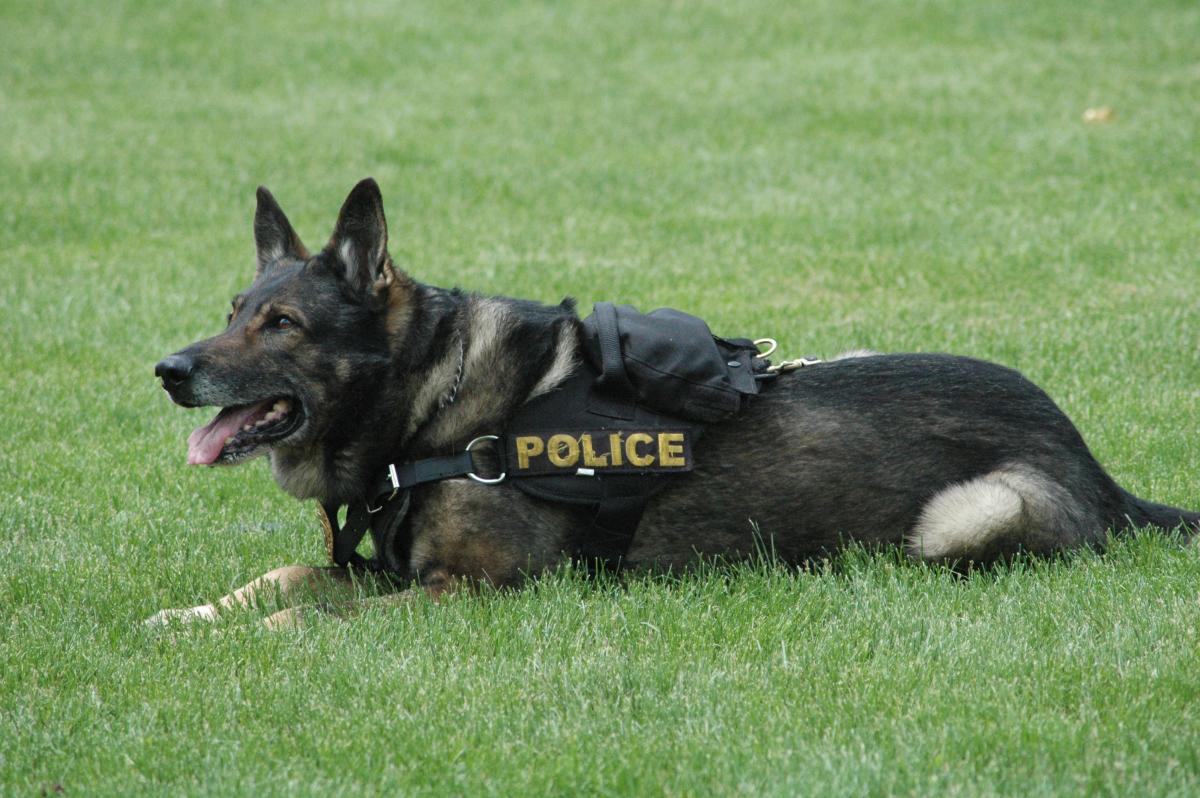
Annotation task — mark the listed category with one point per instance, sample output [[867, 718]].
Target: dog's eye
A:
[[284, 323]]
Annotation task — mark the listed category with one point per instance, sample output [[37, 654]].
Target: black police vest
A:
[[609, 437]]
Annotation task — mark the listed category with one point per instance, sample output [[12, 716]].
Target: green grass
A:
[[893, 175]]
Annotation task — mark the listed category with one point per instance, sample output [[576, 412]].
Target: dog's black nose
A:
[[174, 369]]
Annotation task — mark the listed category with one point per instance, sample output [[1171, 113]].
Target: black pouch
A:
[[670, 361]]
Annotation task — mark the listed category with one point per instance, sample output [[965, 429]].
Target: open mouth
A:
[[238, 433]]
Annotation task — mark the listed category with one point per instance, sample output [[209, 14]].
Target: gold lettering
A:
[[590, 459], [635, 457], [528, 446], [555, 450], [670, 449], [614, 447]]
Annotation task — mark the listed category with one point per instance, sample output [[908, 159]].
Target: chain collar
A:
[[449, 398]]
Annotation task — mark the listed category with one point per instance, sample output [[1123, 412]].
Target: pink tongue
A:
[[205, 444]]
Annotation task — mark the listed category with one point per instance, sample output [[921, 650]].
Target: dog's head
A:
[[306, 338]]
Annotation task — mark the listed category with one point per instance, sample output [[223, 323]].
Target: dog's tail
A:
[[1141, 512]]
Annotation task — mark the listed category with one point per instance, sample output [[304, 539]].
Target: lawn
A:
[[896, 175]]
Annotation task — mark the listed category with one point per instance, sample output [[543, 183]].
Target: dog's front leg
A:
[[288, 584], [295, 617], [433, 586], [465, 535]]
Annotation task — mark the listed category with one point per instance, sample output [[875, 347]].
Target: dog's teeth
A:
[[281, 406], [245, 427]]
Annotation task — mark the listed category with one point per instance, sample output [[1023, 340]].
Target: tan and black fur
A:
[[956, 459]]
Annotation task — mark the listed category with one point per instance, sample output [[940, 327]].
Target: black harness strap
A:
[[343, 549], [399, 479], [613, 378], [617, 515], [612, 530], [404, 476]]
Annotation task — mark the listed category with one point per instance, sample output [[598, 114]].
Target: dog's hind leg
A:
[[1013, 508], [283, 586]]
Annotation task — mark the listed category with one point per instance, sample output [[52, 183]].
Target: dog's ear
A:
[[359, 241], [273, 233]]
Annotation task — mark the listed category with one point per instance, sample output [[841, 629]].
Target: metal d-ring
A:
[[476, 477], [770, 343]]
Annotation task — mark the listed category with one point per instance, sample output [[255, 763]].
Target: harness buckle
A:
[[476, 477], [394, 478]]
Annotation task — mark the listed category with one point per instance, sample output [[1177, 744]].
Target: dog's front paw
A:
[[291, 618], [207, 612]]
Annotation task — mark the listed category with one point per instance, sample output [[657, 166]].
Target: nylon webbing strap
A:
[[401, 477], [612, 529], [346, 538], [430, 469], [615, 395], [618, 514], [613, 377], [398, 479]]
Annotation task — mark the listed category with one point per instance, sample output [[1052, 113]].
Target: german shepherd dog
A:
[[338, 363]]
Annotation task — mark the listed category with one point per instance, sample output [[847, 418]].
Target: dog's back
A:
[[958, 458]]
